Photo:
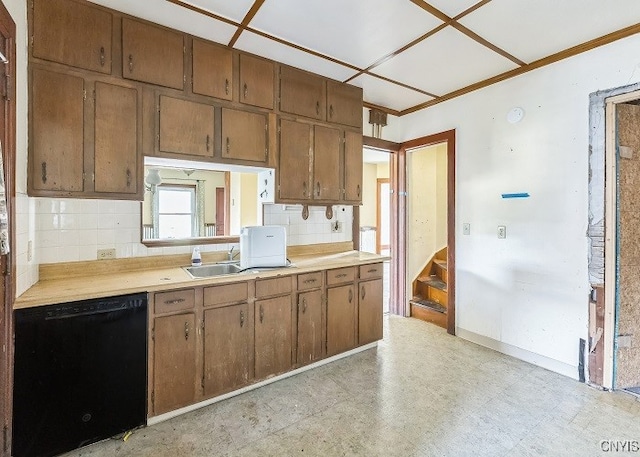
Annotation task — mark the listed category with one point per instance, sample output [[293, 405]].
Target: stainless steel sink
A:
[[217, 269]]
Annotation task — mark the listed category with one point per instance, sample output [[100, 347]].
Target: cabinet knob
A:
[[362, 292], [128, 177], [130, 63], [186, 330], [358, 190], [102, 56], [350, 295], [331, 111], [318, 188], [228, 145], [226, 86], [304, 305], [261, 313], [304, 189], [318, 108], [241, 318], [246, 91], [208, 140], [44, 172]]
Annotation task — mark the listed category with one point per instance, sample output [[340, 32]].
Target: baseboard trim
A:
[[519, 353], [171, 414]]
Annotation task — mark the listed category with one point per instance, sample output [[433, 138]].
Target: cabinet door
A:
[[272, 336], [152, 54], [370, 311], [309, 327], [345, 104], [341, 319], [256, 81], [295, 150], [353, 167], [302, 93], [57, 131], [116, 136], [186, 127], [244, 135], [326, 163], [72, 33], [227, 348], [212, 70], [174, 362]]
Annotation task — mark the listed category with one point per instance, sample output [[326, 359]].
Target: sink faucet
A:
[[231, 256]]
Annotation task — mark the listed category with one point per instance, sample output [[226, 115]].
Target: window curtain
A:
[[4, 217]]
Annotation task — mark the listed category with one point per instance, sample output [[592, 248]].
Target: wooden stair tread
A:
[[433, 281], [428, 304], [441, 263]]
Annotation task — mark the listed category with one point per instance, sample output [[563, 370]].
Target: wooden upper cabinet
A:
[[302, 93], [344, 104], [326, 163], [256, 81], [186, 127], [72, 33], [244, 135], [116, 139], [294, 162], [353, 167], [212, 70], [56, 132], [152, 54]]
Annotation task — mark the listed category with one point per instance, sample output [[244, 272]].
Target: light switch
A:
[[502, 232], [466, 228]]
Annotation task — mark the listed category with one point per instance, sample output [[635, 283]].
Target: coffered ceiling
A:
[[407, 55]]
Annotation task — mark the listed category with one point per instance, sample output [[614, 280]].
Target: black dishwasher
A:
[[80, 373]]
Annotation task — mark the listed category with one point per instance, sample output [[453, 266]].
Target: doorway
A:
[[383, 209]]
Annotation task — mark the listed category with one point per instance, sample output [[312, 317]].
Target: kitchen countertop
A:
[[61, 290]]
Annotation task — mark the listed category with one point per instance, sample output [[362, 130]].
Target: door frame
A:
[[448, 137], [379, 182]]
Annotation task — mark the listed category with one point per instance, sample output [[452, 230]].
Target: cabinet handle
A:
[[241, 319], [358, 190], [228, 145], [373, 270], [130, 63], [318, 188], [44, 172], [350, 295], [128, 177], [226, 86], [208, 139], [304, 189], [304, 305], [261, 314], [246, 91], [331, 111], [341, 275], [186, 330], [174, 301], [102, 56], [362, 293], [309, 281], [317, 108]]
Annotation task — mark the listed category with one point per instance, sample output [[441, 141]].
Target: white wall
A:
[[528, 294]]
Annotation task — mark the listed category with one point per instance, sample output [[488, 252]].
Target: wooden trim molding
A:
[[245, 22]]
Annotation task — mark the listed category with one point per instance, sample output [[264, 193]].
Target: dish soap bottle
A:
[[196, 260]]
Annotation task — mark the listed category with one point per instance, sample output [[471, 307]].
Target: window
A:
[[176, 211]]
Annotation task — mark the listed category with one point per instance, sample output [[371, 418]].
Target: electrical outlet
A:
[[502, 232], [336, 227], [29, 251], [104, 254], [466, 228]]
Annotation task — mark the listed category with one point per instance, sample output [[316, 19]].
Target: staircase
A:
[[429, 302]]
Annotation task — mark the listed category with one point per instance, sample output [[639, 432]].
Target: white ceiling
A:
[[403, 53]]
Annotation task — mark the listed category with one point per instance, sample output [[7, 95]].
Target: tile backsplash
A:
[[68, 230]]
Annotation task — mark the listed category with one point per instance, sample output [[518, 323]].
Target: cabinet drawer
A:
[[275, 286], [310, 281], [176, 300], [340, 275], [373, 270], [226, 293]]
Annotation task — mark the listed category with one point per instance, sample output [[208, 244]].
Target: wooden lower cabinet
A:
[[228, 342], [370, 311], [273, 336], [341, 318], [310, 319], [174, 360]]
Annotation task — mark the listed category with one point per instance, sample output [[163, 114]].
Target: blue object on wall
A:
[[519, 195]]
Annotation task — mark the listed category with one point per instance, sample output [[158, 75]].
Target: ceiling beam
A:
[[245, 22], [553, 58], [384, 109]]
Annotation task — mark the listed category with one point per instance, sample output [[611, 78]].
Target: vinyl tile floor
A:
[[421, 392]]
